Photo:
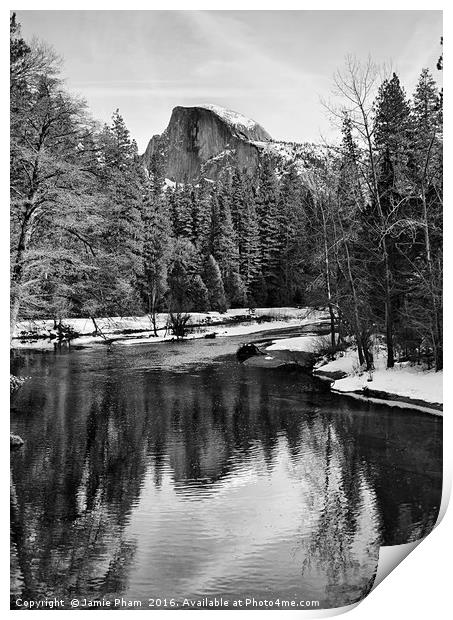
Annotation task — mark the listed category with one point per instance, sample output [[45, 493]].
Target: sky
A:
[[272, 66]]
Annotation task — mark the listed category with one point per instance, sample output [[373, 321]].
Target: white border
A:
[[418, 587]]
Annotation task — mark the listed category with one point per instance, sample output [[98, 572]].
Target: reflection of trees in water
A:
[[401, 454], [91, 441], [215, 429], [201, 447], [74, 487], [343, 547]]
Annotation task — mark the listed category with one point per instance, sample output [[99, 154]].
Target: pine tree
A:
[[20, 54], [291, 239], [267, 216], [248, 238], [198, 294], [201, 218], [350, 178], [214, 283], [224, 247], [234, 189], [426, 175], [235, 290], [156, 251], [181, 201], [392, 130], [187, 289], [156, 171], [124, 178], [245, 222], [392, 133], [179, 284]]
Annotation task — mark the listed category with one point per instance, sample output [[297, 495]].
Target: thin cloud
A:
[[270, 65]]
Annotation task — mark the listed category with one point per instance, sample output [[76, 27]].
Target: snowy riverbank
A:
[[404, 385], [138, 330]]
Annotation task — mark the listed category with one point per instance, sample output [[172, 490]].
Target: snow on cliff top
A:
[[233, 118]]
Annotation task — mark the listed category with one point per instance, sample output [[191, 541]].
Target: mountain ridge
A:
[[200, 140]]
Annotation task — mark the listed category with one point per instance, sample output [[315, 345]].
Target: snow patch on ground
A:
[[202, 322], [220, 331], [403, 380], [410, 382], [300, 343], [346, 362]]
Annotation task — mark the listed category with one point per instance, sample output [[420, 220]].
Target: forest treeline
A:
[[358, 229]]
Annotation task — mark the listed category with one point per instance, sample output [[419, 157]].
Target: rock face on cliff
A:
[[199, 141]]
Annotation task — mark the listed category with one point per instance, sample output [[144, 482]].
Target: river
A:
[[171, 471]]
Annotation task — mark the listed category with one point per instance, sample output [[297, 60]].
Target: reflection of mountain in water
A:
[[207, 481]]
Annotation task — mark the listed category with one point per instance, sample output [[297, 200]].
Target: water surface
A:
[[173, 471]]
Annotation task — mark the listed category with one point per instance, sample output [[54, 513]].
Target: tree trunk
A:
[[153, 300], [327, 279], [388, 317], [15, 306], [332, 327], [366, 353], [437, 331], [387, 279], [357, 326], [360, 350], [17, 276], [96, 328]]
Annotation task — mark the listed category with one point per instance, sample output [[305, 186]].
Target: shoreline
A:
[[128, 331], [341, 374], [404, 386], [383, 398]]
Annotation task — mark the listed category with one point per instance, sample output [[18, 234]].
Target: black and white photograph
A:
[[226, 304]]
